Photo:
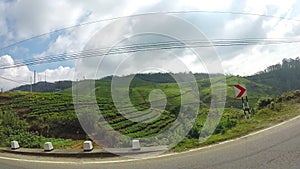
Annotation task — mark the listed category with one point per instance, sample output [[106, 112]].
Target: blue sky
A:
[[24, 19]]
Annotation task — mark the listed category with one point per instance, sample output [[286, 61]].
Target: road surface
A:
[[278, 147]]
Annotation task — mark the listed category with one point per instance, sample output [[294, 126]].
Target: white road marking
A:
[[154, 157]]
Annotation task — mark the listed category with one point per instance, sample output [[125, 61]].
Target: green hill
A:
[[45, 87], [282, 77], [52, 115]]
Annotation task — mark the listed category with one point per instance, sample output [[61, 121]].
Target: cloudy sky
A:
[[27, 19]]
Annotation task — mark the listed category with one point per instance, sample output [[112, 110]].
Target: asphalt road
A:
[[278, 147]]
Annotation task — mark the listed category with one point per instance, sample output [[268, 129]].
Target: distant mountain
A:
[[282, 77], [45, 86]]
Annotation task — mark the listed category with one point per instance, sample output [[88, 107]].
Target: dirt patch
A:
[[21, 111]]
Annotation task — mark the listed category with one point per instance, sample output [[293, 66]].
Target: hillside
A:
[[52, 115], [48, 114], [282, 77], [45, 87], [142, 84]]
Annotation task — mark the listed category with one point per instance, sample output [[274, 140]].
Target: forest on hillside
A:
[[282, 76], [45, 86]]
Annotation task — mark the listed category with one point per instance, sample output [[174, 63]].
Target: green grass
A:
[[60, 143], [262, 119], [52, 115]]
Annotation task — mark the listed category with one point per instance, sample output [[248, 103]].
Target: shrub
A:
[[263, 102], [25, 139], [193, 133]]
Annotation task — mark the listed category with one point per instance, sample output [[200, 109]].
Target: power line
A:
[[12, 80], [164, 45], [151, 13]]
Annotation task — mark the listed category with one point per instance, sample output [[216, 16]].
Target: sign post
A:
[[241, 92]]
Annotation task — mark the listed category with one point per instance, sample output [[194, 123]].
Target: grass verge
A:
[[263, 118]]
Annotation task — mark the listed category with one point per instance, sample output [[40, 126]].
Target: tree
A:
[[282, 77]]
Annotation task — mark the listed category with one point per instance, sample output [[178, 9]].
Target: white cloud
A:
[[6, 60], [22, 75], [3, 24], [263, 7], [60, 73], [74, 40], [212, 5], [243, 26], [258, 58], [70, 42], [33, 17]]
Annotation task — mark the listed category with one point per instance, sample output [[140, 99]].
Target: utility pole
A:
[[30, 84], [91, 87], [34, 76], [76, 91]]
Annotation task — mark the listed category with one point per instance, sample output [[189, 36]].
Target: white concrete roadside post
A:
[[48, 146], [136, 145], [87, 146], [14, 145]]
